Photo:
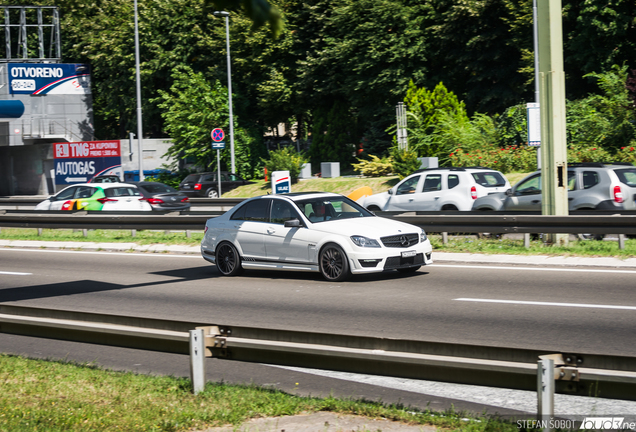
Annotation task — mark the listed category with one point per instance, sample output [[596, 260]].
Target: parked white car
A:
[[315, 231], [96, 197], [436, 189]]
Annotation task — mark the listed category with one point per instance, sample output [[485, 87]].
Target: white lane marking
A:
[[535, 303], [15, 273], [146, 254], [491, 267]]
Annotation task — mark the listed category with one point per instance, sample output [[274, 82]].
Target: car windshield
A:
[[157, 188], [330, 208], [489, 179], [627, 176]]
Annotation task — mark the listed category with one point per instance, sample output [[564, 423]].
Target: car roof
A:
[[102, 185], [473, 168], [297, 196]]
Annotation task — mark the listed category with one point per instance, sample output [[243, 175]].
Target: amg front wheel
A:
[[333, 263]]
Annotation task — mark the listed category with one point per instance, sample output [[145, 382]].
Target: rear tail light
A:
[[197, 186], [153, 200], [105, 200], [205, 229], [186, 199], [473, 192], [618, 194]]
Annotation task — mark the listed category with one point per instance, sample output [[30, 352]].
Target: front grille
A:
[[399, 262], [401, 240]]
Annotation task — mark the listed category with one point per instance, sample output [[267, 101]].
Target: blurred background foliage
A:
[[334, 71]]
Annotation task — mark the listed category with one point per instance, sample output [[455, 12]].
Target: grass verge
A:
[[39, 395], [458, 243]]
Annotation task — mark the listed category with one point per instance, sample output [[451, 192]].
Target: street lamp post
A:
[[139, 117], [229, 80]]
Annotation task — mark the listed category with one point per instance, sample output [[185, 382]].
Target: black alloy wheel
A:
[[333, 263], [227, 260]]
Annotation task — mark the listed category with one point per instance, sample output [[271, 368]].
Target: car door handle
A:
[[536, 201], [436, 197], [570, 199], [271, 230], [411, 199]]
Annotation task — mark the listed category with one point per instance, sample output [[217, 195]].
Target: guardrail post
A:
[[545, 392], [621, 241], [39, 231], [133, 233], [526, 240], [188, 233], [444, 238], [197, 360]]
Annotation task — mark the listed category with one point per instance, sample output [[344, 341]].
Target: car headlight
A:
[[423, 236], [364, 242]]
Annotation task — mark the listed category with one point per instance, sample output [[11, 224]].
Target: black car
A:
[[106, 179], [162, 197], [206, 184]]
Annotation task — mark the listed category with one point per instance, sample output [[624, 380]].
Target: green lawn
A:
[[54, 396]]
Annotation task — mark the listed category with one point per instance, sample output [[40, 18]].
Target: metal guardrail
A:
[[448, 222], [607, 376]]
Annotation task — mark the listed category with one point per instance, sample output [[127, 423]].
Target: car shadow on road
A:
[[88, 286]]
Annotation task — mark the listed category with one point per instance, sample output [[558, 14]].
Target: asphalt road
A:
[[566, 310]]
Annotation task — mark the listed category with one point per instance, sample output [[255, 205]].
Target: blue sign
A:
[[217, 135], [48, 78], [218, 145], [73, 171]]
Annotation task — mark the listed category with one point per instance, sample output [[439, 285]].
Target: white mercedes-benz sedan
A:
[[314, 231]]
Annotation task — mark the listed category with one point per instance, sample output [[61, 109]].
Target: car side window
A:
[[121, 191], [84, 192], [281, 212], [627, 176], [433, 182], [234, 177], [590, 179], [66, 194], [256, 211], [408, 186], [453, 180], [530, 186], [571, 180], [209, 178]]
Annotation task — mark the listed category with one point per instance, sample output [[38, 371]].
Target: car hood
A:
[[374, 227], [382, 196]]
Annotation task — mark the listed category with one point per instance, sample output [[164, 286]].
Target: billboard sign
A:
[[48, 78], [281, 182], [78, 162]]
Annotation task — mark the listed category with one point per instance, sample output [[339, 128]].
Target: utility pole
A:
[[554, 173]]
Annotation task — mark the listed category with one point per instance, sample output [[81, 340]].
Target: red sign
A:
[[217, 135], [87, 149]]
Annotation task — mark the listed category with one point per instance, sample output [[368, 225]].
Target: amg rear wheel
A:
[[227, 260], [333, 263]]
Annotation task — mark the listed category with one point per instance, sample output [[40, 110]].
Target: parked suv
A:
[[206, 184], [436, 189], [591, 186]]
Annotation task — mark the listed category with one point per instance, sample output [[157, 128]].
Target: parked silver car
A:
[[435, 189], [591, 186]]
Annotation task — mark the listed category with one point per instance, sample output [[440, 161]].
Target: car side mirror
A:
[[509, 192], [292, 223], [390, 191]]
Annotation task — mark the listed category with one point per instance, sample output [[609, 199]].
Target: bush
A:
[[507, 159], [578, 153], [627, 154], [286, 159], [170, 178], [375, 167], [404, 162]]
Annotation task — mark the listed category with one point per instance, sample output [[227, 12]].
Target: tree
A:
[[191, 109]]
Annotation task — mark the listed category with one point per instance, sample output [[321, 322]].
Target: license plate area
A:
[[408, 254]]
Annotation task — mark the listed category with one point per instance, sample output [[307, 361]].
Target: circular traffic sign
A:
[[217, 134]]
